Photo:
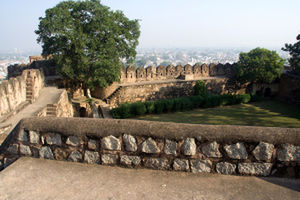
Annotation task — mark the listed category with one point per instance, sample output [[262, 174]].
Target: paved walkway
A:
[[48, 95], [31, 178]]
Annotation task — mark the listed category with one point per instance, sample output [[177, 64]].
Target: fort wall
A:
[[15, 91], [224, 149], [289, 88]]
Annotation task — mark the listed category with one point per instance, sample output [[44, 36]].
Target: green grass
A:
[[265, 113]]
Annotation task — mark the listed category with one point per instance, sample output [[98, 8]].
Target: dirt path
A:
[[48, 95]]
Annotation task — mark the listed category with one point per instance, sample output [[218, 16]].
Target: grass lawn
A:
[[265, 113]]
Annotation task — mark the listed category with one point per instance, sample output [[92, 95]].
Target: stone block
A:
[[13, 148], [189, 147], [25, 150], [92, 144], [149, 146], [109, 159], [157, 163], [111, 143], [130, 161], [211, 150], [34, 137], [53, 139], [23, 136], [201, 166], [181, 165], [130, 143], [45, 152], [258, 169], [75, 156], [74, 141], [236, 151], [225, 168], [170, 147], [91, 157], [288, 152], [60, 154], [263, 151]]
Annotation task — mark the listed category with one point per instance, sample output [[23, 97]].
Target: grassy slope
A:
[[266, 113]]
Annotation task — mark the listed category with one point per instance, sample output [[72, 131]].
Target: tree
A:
[[294, 50], [259, 66], [88, 40]]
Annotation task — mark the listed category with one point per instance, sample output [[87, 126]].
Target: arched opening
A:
[[82, 112], [268, 92]]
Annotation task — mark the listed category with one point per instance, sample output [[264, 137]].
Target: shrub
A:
[[177, 105], [150, 107], [115, 112], [186, 104], [137, 108], [197, 101], [168, 105], [159, 107], [200, 88], [255, 98], [122, 112], [212, 100]]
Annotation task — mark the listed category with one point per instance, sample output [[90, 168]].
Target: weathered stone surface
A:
[[263, 151], [34, 137], [236, 151], [130, 143], [60, 154], [8, 161], [288, 152], [201, 166], [23, 136], [211, 150], [75, 156], [91, 157], [109, 159], [259, 169], [53, 139], [170, 147], [225, 168], [181, 165], [111, 143], [25, 150], [35, 152], [74, 141], [130, 161], [92, 144], [150, 146], [13, 148], [45, 152], [157, 163], [189, 147]]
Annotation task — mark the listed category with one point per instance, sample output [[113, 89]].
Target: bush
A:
[[159, 107], [200, 89], [186, 104], [197, 101], [255, 98], [177, 105], [122, 112], [168, 105], [150, 107], [137, 108]]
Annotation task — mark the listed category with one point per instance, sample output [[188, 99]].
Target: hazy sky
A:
[[173, 23]]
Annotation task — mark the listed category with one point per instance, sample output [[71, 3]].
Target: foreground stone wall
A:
[[162, 90], [16, 91], [220, 149]]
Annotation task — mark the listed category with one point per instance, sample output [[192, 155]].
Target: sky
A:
[[173, 23]]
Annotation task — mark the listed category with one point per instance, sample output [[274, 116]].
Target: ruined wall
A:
[[162, 90], [188, 72], [16, 91], [240, 150], [289, 88]]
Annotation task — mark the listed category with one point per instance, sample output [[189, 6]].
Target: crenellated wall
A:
[[187, 72], [15, 91], [224, 149]]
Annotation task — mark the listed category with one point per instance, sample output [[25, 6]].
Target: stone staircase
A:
[[51, 110], [107, 100], [29, 89]]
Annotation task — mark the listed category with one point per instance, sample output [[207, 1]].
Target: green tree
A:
[[88, 41], [294, 50], [259, 66]]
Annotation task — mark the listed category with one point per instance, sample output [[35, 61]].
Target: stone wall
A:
[[16, 91], [240, 150], [289, 88], [162, 90]]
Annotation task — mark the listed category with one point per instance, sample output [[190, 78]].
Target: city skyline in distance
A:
[[173, 24]]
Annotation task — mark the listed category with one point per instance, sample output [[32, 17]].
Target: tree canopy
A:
[[88, 41], [259, 66], [294, 50]]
